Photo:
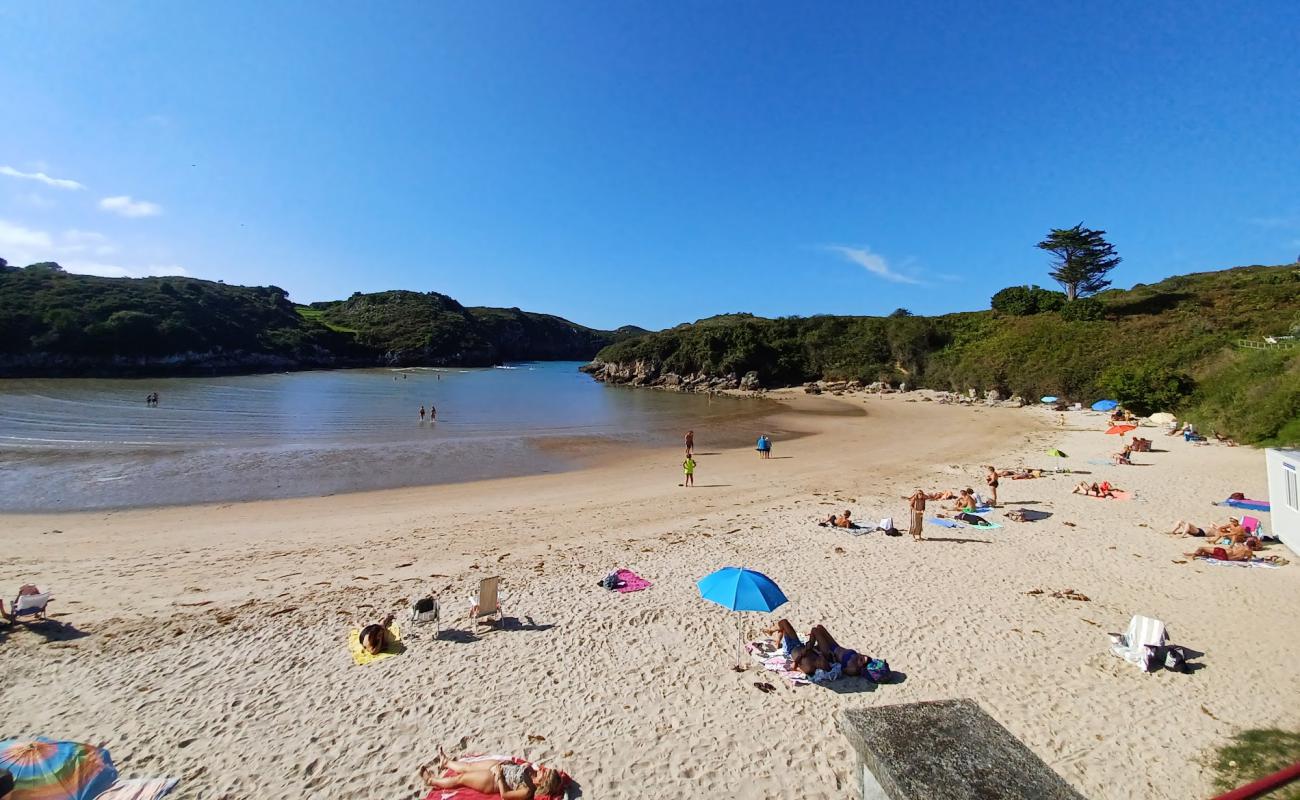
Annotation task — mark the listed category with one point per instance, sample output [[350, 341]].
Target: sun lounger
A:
[[30, 602], [486, 608], [1141, 643]]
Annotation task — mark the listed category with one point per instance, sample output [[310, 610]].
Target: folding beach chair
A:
[[1251, 524], [30, 602], [486, 608], [1142, 643], [425, 610]]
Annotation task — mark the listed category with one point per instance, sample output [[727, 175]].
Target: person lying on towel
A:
[[802, 655], [1235, 552], [374, 638], [505, 778]]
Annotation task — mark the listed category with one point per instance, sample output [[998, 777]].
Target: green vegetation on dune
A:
[[1255, 754], [1164, 346], [55, 323]]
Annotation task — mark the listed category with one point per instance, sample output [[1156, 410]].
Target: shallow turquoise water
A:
[[90, 443]]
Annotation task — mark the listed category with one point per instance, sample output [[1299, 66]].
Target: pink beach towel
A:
[[632, 582]]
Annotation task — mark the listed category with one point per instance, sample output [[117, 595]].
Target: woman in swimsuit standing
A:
[[992, 480]]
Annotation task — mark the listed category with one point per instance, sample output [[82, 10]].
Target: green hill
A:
[[56, 323], [1171, 345]]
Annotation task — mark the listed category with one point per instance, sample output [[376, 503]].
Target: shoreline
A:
[[192, 611]]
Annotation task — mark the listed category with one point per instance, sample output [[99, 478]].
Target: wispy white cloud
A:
[[75, 250], [116, 271], [1284, 221], [58, 183], [872, 262], [16, 240], [125, 206]]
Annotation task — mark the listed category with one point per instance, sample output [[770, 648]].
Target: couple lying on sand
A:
[[1103, 489], [1231, 532], [820, 651], [491, 777]]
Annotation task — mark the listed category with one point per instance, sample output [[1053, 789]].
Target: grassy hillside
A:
[[1170, 344], [55, 323]]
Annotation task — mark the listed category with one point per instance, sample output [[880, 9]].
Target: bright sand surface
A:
[[214, 647]]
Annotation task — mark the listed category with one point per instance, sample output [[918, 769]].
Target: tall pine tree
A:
[[1082, 257]]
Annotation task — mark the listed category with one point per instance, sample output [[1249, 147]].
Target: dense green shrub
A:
[[1146, 389], [1083, 309], [1024, 300]]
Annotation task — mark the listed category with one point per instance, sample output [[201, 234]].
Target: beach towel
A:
[[362, 657], [1248, 504], [469, 794], [1132, 645], [1102, 462], [1254, 562], [770, 658], [630, 581], [952, 523], [139, 789]]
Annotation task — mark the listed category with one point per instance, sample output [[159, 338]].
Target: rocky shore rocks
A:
[[641, 373]]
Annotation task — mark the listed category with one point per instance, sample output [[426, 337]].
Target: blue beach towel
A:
[[944, 523], [1249, 505]]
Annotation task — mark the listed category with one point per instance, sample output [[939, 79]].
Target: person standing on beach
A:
[[688, 466], [421, 413], [992, 480], [917, 503], [690, 442]]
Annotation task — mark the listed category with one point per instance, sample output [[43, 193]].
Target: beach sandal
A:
[[765, 688]]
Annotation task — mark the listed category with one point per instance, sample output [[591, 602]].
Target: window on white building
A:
[[1292, 494]]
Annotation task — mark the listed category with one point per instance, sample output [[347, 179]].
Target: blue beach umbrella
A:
[[1105, 405], [739, 589]]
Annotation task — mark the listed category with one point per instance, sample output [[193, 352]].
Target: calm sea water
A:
[[69, 444]]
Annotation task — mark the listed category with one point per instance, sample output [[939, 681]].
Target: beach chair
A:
[[1142, 643], [30, 602], [1251, 524], [486, 608], [425, 611]]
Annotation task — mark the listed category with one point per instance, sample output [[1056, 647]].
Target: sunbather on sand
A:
[[803, 657], [851, 661], [1236, 552], [374, 638], [831, 521], [496, 778], [1024, 474], [1124, 456], [1090, 489], [845, 520], [1221, 439], [1184, 528]]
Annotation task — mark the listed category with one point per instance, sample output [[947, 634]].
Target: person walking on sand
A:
[[421, 413], [688, 466], [690, 442]]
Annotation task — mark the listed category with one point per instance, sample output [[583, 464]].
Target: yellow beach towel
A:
[[359, 653]]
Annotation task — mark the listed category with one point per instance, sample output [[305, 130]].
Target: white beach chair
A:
[[425, 610], [30, 602], [1141, 643], [485, 609]]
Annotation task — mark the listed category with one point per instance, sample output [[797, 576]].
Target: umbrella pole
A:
[[740, 644]]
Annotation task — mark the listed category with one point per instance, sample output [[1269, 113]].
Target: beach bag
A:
[[611, 581], [1175, 661], [1151, 657], [886, 524], [878, 670]]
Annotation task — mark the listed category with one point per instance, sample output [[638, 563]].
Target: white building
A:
[[1284, 496]]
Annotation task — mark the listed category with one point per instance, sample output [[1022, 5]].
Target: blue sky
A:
[[647, 162]]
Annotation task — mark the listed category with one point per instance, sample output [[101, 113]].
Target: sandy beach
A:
[[214, 636]]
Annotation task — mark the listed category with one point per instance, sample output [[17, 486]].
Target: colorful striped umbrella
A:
[[45, 769]]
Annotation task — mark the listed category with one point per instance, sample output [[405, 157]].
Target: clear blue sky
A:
[[647, 162]]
